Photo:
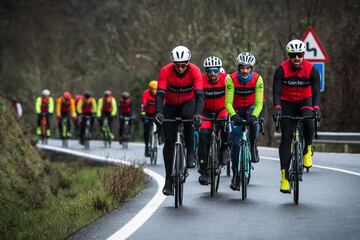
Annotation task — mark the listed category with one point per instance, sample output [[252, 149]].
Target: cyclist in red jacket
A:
[[148, 112], [296, 92], [180, 85], [125, 110], [214, 84]]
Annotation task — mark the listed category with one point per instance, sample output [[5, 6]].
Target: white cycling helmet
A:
[[180, 54], [212, 62], [246, 59], [295, 46], [46, 92]]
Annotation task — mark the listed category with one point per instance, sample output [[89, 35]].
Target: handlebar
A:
[[298, 118], [177, 119]]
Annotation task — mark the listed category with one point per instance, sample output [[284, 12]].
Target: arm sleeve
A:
[[143, 102], [259, 96], [79, 106], [38, 105], [72, 106], [51, 105], [229, 96], [100, 105], [199, 101], [161, 91], [277, 84], [114, 107], [315, 86], [94, 107], [58, 107]]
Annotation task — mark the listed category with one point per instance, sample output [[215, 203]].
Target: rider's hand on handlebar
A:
[[236, 119], [276, 114], [159, 118], [317, 114], [197, 120], [251, 119]]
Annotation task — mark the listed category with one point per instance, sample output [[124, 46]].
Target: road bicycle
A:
[[213, 163], [87, 131], [244, 166], [43, 126], [107, 135], [297, 151], [179, 169], [125, 138], [64, 131], [153, 143], [196, 146]]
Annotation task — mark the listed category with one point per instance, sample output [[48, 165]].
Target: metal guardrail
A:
[[345, 138]]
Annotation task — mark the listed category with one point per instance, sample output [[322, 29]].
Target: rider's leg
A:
[[121, 129], [254, 133], [147, 129], [187, 112], [60, 127], [235, 148], [203, 150], [309, 129]]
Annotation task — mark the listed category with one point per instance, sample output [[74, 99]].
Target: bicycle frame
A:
[[153, 143]]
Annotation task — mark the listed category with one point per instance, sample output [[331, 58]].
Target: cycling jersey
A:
[[214, 93], [295, 85], [86, 106], [240, 95], [179, 90], [44, 104], [107, 105], [64, 106], [125, 106], [148, 103]]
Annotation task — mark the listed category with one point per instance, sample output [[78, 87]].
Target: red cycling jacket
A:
[[125, 106], [214, 93], [296, 85], [44, 104], [87, 106], [244, 94], [107, 104], [148, 103], [179, 90]]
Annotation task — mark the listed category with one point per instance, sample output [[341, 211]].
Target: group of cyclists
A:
[[182, 90]]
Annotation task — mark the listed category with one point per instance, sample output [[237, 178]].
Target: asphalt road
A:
[[329, 205]]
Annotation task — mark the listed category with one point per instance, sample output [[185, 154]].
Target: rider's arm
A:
[[58, 107], [114, 107], [315, 87], [79, 106], [277, 85], [93, 106], [72, 108], [259, 96], [161, 91], [99, 109], [229, 96], [199, 91], [143, 102], [51, 105], [38, 105]]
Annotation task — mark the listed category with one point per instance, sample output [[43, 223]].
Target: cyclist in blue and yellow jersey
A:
[[107, 107], [44, 105], [148, 112], [244, 100], [214, 84], [86, 106], [125, 110], [296, 92], [179, 94], [65, 107]]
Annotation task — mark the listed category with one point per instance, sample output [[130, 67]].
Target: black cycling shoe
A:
[[168, 189], [224, 157], [203, 179], [235, 183], [190, 160]]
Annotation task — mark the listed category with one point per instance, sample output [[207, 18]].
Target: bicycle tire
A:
[[243, 178], [182, 175], [211, 160], [228, 168], [296, 172], [155, 149], [177, 175]]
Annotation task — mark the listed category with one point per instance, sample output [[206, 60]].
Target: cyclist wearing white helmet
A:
[[179, 94], [214, 104], [44, 105], [296, 92], [107, 107], [244, 100]]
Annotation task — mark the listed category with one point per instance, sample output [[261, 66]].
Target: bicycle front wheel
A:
[[243, 178], [177, 176], [211, 160], [296, 172]]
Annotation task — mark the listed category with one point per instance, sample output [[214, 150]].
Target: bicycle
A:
[[196, 146], [213, 163], [43, 127], [179, 169], [297, 158], [64, 131], [107, 136], [153, 140], [244, 166], [87, 131], [126, 132]]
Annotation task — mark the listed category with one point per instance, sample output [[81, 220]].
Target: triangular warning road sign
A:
[[314, 50]]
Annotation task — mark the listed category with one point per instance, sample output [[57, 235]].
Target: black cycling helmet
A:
[[87, 94]]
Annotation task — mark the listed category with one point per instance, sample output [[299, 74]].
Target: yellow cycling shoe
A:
[[308, 158], [284, 183]]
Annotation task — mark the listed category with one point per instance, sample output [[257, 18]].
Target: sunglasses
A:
[[181, 65], [293, 55], [212, 70]]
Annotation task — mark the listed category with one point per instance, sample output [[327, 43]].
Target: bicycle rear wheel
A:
[[211, 160], [295, 165], [243, 178]]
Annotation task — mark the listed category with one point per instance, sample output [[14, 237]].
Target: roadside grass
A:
[[80, 193]]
